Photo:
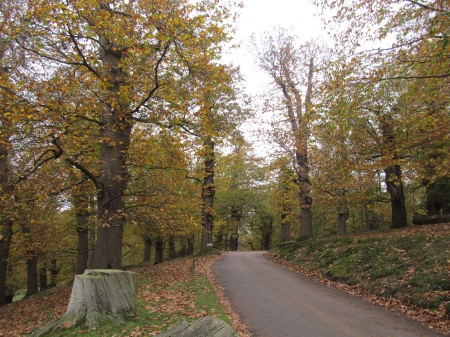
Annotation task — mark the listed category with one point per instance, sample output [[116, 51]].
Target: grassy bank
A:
[[167, 293], [406, 270]]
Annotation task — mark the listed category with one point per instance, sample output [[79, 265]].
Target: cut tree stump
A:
[[98, 295], [430, 219]]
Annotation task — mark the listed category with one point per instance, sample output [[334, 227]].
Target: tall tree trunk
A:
[[5, 241], [83, 234], [208, 192], [91, 244], [394, 187], [183, 249], [434, 203], [285, 228], [147, 248], [190, 244], [83, 246], [32, 261], [80, 200], [343, 215], [172, 251], [115, 134], [5, 222], [54, 271], [305, 198], [43, 279], [159, 250], [234, 242], [32, 276]]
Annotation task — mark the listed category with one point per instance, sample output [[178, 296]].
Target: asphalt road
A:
[[275, 302]]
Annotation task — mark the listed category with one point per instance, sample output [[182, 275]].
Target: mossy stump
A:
[[98, 295]]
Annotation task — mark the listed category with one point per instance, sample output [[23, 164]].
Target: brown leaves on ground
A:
[[172, 301], [160, 296], [435, 319], [18, 318]]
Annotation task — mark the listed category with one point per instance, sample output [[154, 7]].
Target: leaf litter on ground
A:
[[167, 292]]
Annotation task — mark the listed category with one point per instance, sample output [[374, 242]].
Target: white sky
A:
[[259, 16]]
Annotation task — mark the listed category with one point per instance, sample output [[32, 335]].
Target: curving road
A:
[[275, 302]]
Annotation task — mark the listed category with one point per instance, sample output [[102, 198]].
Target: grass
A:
[[167, 293], [149, 321], [414, 267]]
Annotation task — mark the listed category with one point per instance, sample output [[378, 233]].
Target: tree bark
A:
[[434, 204], [5, 222], [81, 205], [43, 285], [83, 248], [32, 275], [430, 219], [394, 187], [147, 248], [115, 136], [172, 251], [183, 249], [343, 215], [208, 192], [98, 296], [54, 271], [5, 241], [32, 262], [234, 242], [190, 244], [159, 250]]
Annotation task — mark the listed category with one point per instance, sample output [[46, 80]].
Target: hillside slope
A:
[[406, 270]]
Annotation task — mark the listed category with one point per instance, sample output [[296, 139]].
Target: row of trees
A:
[[119, 131], [370, 110], [108, 109]]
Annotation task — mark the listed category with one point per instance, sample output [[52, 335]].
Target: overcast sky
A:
[[259, 16]]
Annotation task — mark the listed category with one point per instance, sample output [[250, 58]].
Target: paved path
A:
[[275, 302]]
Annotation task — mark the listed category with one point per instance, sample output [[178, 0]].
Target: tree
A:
[[121, 60], [291, 70]]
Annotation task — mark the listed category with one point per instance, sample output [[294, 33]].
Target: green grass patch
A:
[[414, 268]]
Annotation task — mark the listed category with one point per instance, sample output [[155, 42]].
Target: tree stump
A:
[[99, 295]]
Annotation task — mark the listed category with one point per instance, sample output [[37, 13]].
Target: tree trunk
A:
[[115, 134], [190, 244], [147, 248], [5, 222], [54, 271], [32, 261], [285, 230], [81, 204], [32, 275], [172, 250], [159, 250], [183, 250], [43, 279], [305, 198], [208, 192], [5, 241], [430, 219], [394, 187], [83, 249], [343, 215], [91, 245], [434, 203], [234, 242]]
